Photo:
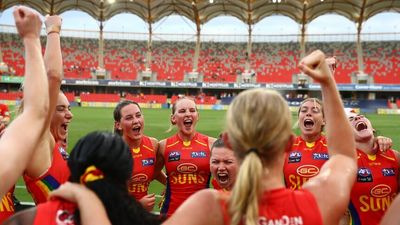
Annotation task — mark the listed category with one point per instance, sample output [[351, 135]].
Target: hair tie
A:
[[254, 150], [91, 174]]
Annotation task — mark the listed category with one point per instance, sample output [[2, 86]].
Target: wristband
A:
[[53, 29]]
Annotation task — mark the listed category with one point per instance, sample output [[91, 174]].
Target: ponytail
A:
[[247, 190]]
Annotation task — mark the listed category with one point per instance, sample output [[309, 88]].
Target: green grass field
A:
[[157, 122]]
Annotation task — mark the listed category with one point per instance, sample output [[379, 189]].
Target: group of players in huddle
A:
[[347, 176]]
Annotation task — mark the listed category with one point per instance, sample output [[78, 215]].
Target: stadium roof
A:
[[201, 11]]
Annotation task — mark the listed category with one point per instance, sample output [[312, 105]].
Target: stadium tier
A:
[[218, 62]]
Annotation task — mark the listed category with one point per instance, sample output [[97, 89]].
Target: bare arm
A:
[[90, 207], [28, 126], [158, 172], [392, 215], [332, 186], [203, 207], [42, 157]]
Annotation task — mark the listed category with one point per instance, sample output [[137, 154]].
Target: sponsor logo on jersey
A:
[[307, 170], [284, 219], [388, 172], [294, 157], [174, 156], [138, 178], [200, 154], [381, 191], [320, 156], [364, 175], [186, 168], [63, 153], [148, 162], [65, 217]]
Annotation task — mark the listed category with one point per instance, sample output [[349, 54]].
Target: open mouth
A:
[[64, 126], [188, 123], [223, 178], [136, 129], [308, 123], [361, 126]]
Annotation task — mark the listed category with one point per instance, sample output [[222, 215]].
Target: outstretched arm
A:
[[23, 134], [42, 157], [332, 186]]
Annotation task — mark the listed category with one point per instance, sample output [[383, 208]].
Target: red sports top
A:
[[284, 206], [304, 161], [55, 212], [57, 174], [188, 169], [215, 184], [375, 187], [7, 206], [144, 159]]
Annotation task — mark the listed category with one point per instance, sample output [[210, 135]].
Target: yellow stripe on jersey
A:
[[390, 158], [148, 148], [172, 144], [202, 143]]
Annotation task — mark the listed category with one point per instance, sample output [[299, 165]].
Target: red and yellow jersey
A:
[[304, 161], [144, 159], [375, 187], [188, 169], [283, 206], [7, 205], [55, 212], [57, 174]]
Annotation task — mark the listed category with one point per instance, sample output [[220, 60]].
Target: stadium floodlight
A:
[[111, 1], [211, 1]]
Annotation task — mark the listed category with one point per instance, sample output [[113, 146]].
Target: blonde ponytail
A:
[[245, 194]]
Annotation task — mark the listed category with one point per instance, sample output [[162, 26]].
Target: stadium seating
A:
[[382, 59], [218, 61]]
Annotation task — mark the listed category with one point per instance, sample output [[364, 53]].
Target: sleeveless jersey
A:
[[7, 205], [188, 169], [283, 206], [144, 159], [57, 174], [55, 212], [375, 187], [304, 161]]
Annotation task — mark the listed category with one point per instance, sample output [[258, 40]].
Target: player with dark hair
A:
[[223, 166], [102, 162], [377, 181], [129, 123]]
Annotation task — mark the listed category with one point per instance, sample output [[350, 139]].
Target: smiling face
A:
[[131, 123], [185, 116], [62, 116], [362, 127], [311, 120], [223, 167]]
